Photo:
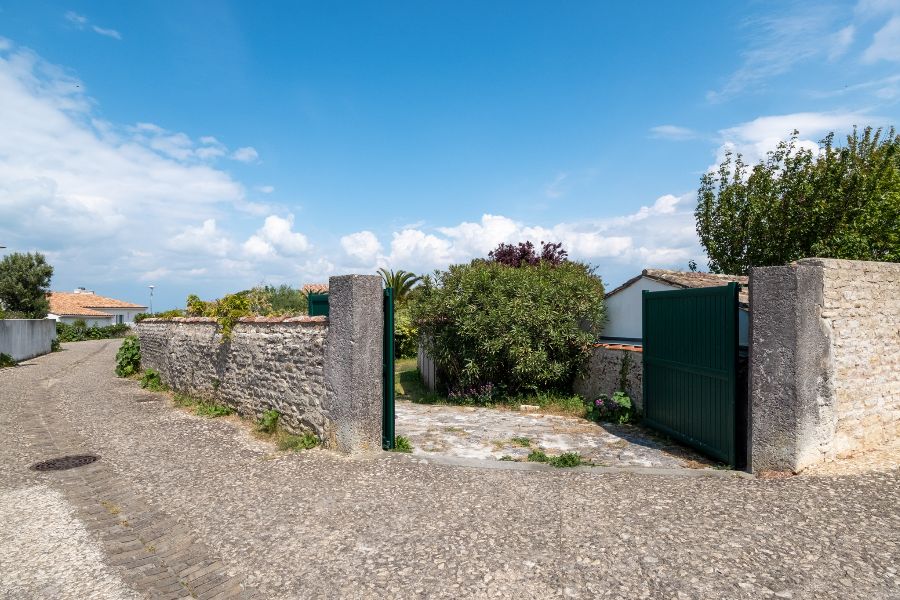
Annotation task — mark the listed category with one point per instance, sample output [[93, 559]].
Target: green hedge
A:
[[515, 330], [79, 332]]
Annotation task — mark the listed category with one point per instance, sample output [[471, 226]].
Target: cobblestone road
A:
[[182, 506]]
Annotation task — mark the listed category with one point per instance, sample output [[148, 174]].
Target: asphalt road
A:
[[184, 506]]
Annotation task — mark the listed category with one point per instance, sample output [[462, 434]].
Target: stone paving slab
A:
[[319, 525], [492, 433]]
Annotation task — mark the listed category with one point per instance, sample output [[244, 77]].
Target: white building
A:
[[624, 306], [96, 311]]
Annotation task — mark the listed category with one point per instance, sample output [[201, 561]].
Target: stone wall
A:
[[272, 364], [322, 374], [825, 361], [26, 338], [603, 374]]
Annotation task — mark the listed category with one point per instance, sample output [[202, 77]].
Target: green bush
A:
[[79, 331], [402, 444], [152, 381], [519, 329], [6, 361], [268, 423], [406, 334], [128, 358], [54, 345], [618, 409], [167, 314]]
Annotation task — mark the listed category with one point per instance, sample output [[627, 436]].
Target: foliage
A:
[[401, 281], [478, 395], [166, 314], [406, 334], [519, 329], [184, 400], [524, 254], [520, 441], [538, 456], [151, 380], [284, 300], [25, 283], [227, 310], [128, 358], [402, 444], [564, 460], [618, 409], [6, 361], [212, 410], [79, 331], [268, 422], [298, 442], [839, 202], [54, 345], [12, 314]]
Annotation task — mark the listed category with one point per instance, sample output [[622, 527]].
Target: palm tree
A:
[[402, 282]]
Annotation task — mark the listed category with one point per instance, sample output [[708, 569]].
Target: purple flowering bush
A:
[[480, 395], [618, 409]]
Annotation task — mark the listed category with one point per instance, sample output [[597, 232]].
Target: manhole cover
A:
[[65, 462]]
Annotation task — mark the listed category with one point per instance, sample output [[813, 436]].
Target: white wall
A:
[[624, 311], [89, 321], [26, 338], [127, 314]]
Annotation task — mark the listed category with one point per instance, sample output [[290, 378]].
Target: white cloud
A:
[[885, 44], [75, 18], [672, 132], [206, 239], [277, 238], [555, 189], [246, 154], [107, 32], [362, 246], [265, 189], [841, 41]]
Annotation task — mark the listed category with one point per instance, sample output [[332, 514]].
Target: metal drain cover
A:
[[64, 463]]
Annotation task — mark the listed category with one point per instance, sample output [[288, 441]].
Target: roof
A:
[[692, 279], [315, 288], [68, 304]]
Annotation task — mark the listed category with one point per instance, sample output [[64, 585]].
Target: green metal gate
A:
[[690, 358], [317, 305]]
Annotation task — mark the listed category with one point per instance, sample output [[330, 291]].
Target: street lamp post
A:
[[151, 297]]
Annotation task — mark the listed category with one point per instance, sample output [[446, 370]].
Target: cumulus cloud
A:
[[246, 154], [276, 238], [672, 132], [363, 246], [207, 239]]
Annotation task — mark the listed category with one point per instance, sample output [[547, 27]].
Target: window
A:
[[120, 319]]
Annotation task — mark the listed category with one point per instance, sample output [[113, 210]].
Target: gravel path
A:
[[210, 506]]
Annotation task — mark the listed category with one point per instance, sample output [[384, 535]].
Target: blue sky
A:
[[209, 146]]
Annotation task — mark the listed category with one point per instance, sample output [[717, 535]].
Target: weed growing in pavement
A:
[[538, 456], [268, 423], [564, 460], [289, 441], [507, 457], [184, 400], [401, 444], [6, 361], [128, 358], [152, 381], [521, 442], [208, 409]]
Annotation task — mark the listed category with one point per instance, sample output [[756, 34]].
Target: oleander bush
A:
[[79, 331]]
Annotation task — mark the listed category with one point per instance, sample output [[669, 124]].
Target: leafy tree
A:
[[24, 284], [402, 282], [514, 329], [524, 254], [285, 300], [839, 202]]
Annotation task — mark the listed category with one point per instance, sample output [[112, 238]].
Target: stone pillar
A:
[[791, 391], [353, 363]]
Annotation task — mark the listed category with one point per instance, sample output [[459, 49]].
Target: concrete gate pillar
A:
[[353, 363]]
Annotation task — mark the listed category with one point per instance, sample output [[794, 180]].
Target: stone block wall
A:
[[267, 364], [825, 361], [603, 374], [322, 374]]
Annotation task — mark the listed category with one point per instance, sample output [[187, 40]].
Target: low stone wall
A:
[[322, 374], [26, 338], [825, 361], [604, 373], [266, 365]]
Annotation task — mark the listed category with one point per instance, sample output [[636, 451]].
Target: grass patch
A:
[[507, 457], [289, 441], [538, 456], [520, 442], [207, 409], [184, 400], [151, 380], [563, 461], [408, 384], [268, 423], [402, 444]]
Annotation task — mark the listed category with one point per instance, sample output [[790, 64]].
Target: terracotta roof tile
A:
[[691, 279], [85, 305], [315, 288]]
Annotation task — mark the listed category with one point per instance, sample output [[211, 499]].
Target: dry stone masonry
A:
[[605, 374], [825, 370], [322, 374]]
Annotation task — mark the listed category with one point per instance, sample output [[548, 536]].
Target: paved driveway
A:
[[180, 505]]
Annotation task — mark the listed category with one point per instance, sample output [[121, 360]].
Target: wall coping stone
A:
[[278, 320]]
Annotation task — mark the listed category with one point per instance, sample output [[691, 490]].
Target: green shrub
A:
[[152, 381], [565, 460], [520, 329], [402, 444], [78, 331], [538, 456], [406, 334], [167, 314], [618, 409], [6, 361], [297, 442], [128, 358], [54, 345], [268, 423]]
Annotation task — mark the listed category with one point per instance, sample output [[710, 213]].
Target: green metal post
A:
[[387, 409]]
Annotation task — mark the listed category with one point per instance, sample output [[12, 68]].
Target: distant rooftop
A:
[[84, 303], [693, 279]]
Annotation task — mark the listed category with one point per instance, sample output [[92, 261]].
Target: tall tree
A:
[[837, 202], [402, 282], [24, 283]]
